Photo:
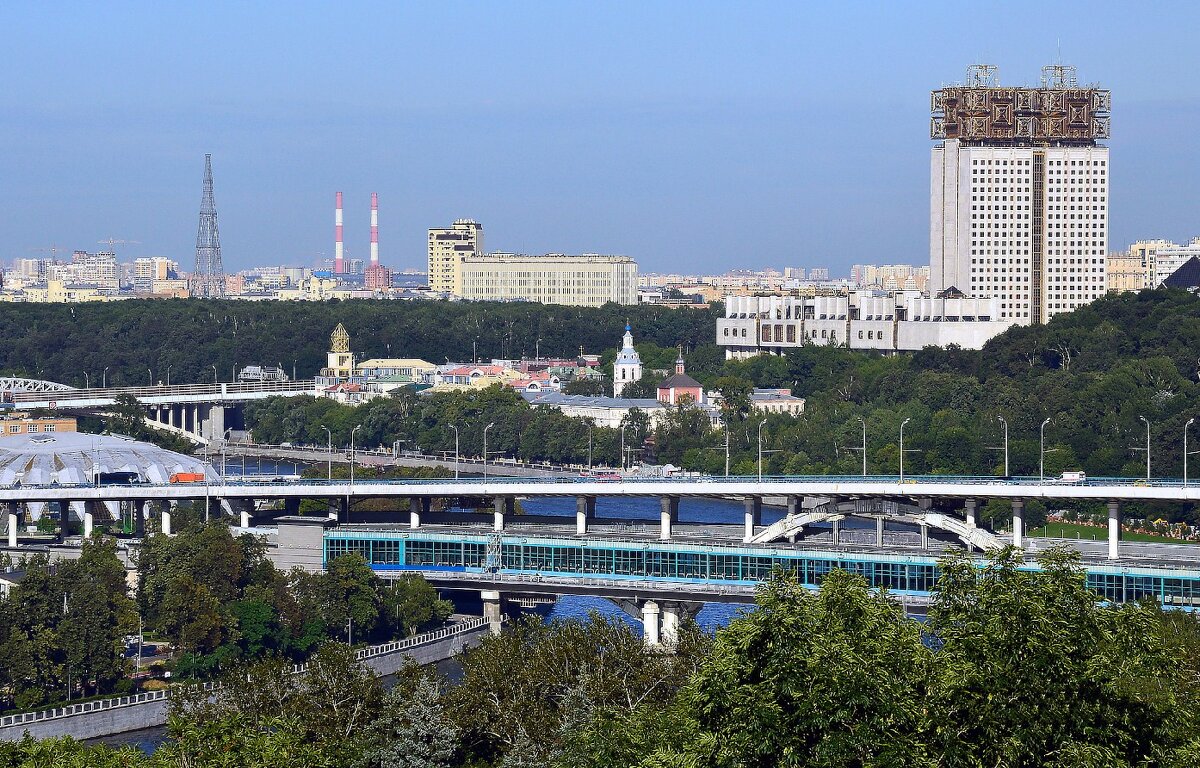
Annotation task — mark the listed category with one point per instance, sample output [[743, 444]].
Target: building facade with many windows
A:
[[590, 280], [447, 248], [1019, 193]]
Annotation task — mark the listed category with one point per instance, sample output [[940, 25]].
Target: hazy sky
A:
[[691, 136]]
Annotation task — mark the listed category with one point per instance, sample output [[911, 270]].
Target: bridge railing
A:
[[708, 480], [162, 390], [96, 705]]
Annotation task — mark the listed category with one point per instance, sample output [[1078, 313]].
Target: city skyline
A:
[[669, 153]]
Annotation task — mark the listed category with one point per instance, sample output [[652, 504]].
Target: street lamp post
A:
[[151, 376], [329, 445], [168, 375], [760, 426], [590, 447], [1042, 452], [902, 448], [104, 378], [485, 450], [87, 382], [356, 428], [1005, 423], [1147, 422], [863, 421], [1185, 450], [537, 350], [214, 374], [455, 428], [623, 446], [726, 449]]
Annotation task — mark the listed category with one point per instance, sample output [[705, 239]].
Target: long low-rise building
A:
[[903, 321], [589, 280]]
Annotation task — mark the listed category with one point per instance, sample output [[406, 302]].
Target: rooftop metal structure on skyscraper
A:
[[208, 280], [984, 113]]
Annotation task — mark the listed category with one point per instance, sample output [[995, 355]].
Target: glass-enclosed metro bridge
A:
[[689, 570]]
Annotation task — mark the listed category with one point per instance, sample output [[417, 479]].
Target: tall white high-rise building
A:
[[448, 247], [1019, 192]]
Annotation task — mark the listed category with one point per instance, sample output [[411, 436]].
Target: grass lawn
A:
[[1088, 532]]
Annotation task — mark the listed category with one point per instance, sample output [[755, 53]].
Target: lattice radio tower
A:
[[208, 281]]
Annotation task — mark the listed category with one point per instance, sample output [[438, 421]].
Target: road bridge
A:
[[201, 412], [948, 503]]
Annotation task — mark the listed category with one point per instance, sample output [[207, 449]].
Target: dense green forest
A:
[[1094, 373], [215, 598], [133, 338], [1014, 668]]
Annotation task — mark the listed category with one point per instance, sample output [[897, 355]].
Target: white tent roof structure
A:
[[70, 458]]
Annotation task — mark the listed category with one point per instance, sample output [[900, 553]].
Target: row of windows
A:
[[574, 559], [15, 429]]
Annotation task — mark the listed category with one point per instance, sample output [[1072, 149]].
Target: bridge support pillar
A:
[[491, 609], [414, 511], [971, 511], [14, 523], [1018, 523], [585, 510], [793, 505], [165, 521], [674, 614], [924, 536], [503, 505], [650, 627], [879, 531], [1114, 529], [88, 521], [753, 515], [668, 515]]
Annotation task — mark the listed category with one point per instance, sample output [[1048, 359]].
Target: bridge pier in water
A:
[[585, 510], [492, 610], [1114, 529], [1018, 523], [753, 515], [668, 515]]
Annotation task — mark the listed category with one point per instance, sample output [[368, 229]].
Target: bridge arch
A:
[[19, 384], [969, 535]]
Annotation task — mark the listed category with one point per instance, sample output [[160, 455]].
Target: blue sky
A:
[[691, 136]]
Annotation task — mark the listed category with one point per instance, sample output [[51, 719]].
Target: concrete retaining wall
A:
[[108, 717]]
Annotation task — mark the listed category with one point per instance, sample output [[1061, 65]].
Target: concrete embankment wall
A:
[[108, 717]]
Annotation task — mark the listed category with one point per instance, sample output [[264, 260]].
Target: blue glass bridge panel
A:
[[705, 564]]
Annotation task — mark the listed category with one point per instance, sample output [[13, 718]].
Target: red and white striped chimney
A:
[[339, 264], [374, 229]]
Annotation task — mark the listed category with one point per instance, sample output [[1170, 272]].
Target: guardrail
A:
[[160, 390], [1091, 482], [96, 705]]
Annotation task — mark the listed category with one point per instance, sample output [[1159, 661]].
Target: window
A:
[[50, 428]]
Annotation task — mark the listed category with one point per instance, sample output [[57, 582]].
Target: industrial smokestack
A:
[[339, 264], [374, 229]]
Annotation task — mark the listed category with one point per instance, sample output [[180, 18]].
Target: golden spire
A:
[[339, 340]]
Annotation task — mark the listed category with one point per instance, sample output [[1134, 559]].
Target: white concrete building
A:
[[1019, 193], [1171, 257], [861, 320], [589, 280]]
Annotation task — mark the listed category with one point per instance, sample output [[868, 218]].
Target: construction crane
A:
[[111, 241]]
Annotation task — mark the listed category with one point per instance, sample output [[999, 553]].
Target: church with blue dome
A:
[[628, 366]]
